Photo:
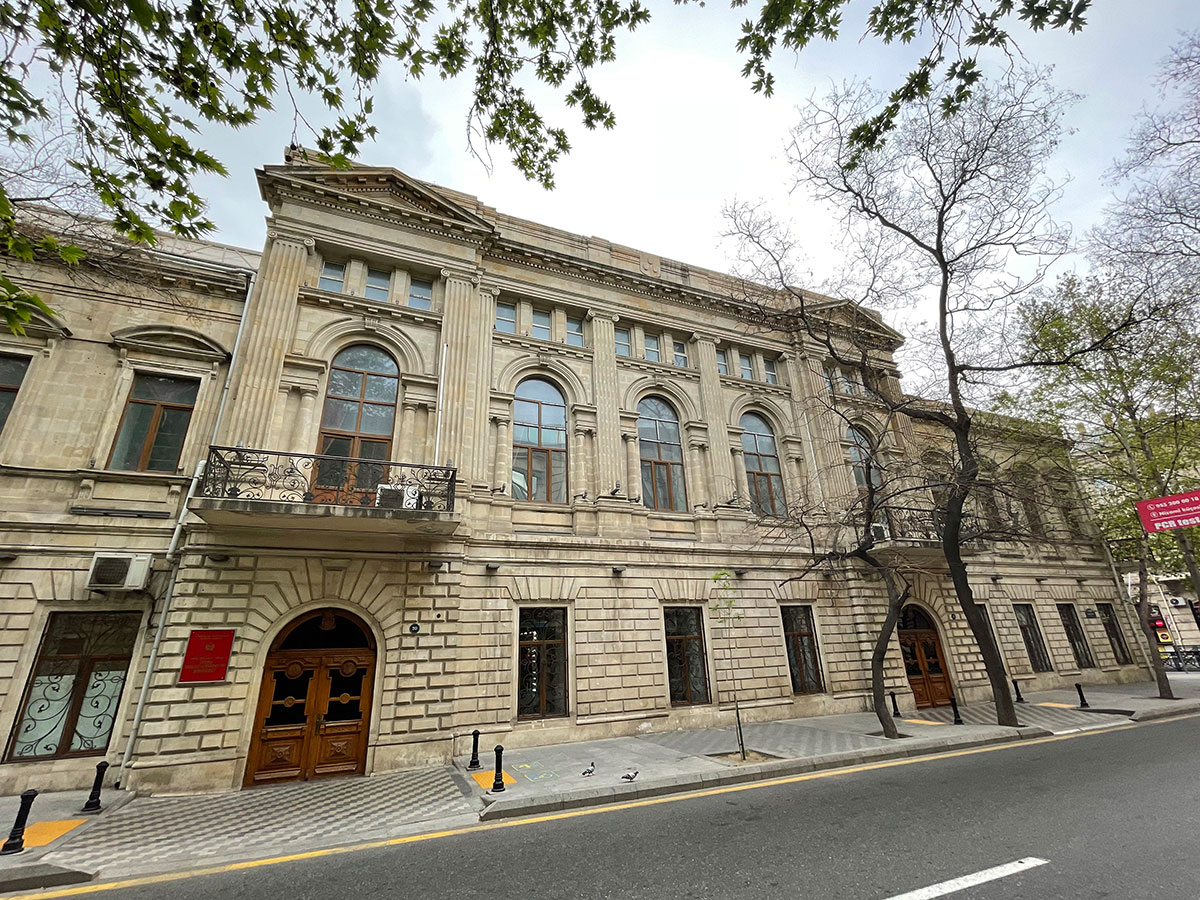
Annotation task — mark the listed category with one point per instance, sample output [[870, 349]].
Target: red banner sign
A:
[[207, 656], [1167, 513]]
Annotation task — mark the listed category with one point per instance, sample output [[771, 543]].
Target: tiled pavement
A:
[[784, 739], [161, 834], [1052, 718]]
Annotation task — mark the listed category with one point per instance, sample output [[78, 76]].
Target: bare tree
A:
[[955, 212]]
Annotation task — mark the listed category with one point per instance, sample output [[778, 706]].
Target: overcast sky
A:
[[691, 135]]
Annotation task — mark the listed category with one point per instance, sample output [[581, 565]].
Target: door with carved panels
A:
[[924, 661], [314, 706]]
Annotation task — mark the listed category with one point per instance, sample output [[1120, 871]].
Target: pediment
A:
[[858, 320], [170, 340]]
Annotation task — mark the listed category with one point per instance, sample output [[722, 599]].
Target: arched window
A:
[[762, 466], [539, 469], [662, 456], [357, 423], [862, 457]]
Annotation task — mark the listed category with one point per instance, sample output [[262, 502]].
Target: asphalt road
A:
[[1115, 815]]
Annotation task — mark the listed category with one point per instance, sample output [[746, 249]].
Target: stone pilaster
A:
[[268, 332], [302, 427], [608, 409], [633, 466], [503, 465], [466, 330], [712, 401]]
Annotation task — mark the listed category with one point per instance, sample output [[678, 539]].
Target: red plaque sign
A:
[[1167, 513], [207, 656]]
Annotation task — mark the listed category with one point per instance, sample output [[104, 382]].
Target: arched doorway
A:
[[924, 661], [315, 703]]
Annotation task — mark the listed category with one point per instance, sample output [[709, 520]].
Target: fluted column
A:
[[712, 401], [633, 467], [608, 408], [302, 427], [406, 450], [699, 484], [579, 479], [266, 338], [503, 461], [460, 380], [739, 473]]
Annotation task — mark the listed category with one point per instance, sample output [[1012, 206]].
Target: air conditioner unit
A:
[[879, 532], [1177, 601], [119, 572], [398, 496]]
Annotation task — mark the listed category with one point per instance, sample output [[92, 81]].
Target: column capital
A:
[[701, 337], [468, 275], [501, 420], [629, 437], [281, 236], [584, 430], [414, 405], [606, 316]]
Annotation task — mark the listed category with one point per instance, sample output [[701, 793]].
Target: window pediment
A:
[[170, 340]]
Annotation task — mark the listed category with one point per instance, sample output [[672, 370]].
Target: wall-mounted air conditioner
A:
[[1177, 601], [879, 532], [119, 572]]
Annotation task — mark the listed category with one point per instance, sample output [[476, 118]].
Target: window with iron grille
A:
[[1075, 637], [687, 668], [800, 638], [1108, 616], [542, 662], [1031, 634]]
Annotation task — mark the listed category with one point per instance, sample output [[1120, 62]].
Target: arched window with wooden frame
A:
[[763, 473], [661, 450], [357, 424], [539, 471], [863, 457]]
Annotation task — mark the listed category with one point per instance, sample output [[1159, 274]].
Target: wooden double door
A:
[[924, 661], [313, 713]]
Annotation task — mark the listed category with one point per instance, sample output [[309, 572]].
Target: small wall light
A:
[[217, 557], [6, 556], [434, 564], [493, 567], [740, 572], [617, 570]]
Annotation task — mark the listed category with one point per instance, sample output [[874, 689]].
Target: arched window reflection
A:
[[539, 469]]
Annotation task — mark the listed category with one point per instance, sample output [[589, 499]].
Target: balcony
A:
[[266, 489], [917, 531]]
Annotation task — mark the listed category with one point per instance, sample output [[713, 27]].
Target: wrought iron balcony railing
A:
[[233, 473]]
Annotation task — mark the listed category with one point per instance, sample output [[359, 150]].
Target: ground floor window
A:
[[71, 701], [1075, 637], [687, 669], [800, 637], [1039, 659], [542, 662], [1112, 628]]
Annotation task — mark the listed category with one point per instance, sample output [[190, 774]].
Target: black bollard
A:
[[93, 800], [498, 784], [16, 837], [474, 763], [1083, 704], [1017, 688], [954, 706], [895, 708]]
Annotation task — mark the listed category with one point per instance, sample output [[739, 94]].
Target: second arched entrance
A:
[[924, 661], [314, 707]]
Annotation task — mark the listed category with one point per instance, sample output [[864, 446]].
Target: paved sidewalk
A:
[[161, 834]]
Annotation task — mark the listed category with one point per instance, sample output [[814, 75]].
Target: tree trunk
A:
[[879, 653], [1143, 608]]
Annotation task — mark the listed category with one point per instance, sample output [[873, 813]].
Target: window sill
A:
[[530, 343]]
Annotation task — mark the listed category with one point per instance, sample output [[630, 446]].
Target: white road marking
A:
[[966, 881]]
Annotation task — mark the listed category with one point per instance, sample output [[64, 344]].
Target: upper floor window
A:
[[861, 455], [378, 285], [420, 294], [539, 469], [154, 424], [12, 373], [575, 331], [623, 343], [723, 362], [333, 277], [679, 348], [541, 325], [1025, 483], [842, 381], [762, 467], [652, 347], [770, 371], [506, 318], [746, 366], [662, 456], [357, 423]]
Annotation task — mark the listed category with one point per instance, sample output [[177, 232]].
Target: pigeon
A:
[[629, 776], [590, 770]]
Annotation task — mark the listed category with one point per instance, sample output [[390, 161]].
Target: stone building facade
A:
[[453, 470]]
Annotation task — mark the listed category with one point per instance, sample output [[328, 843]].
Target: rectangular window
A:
[[333, 277], [541, 325], [687, 669], [848, 381], [506, 318], [154, 424], [12, 373], [680, 350], [747, 366], [379, 285], [542, 662], [831, 380], [1032, 635], [987, 621], [723, 362], [420, 294], [800, 639], [622, 340], [1108, 616], [770, 372], [574, 331], [73, 695], [652, 347], [1075, 636]]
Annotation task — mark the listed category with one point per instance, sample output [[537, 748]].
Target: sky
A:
[[691, 136]]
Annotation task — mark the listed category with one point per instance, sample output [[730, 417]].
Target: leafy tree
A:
[[145, 79]]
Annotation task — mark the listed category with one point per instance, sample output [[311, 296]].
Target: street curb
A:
[[1183, 707], [506, 808], [40, 875]]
